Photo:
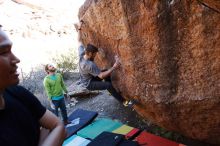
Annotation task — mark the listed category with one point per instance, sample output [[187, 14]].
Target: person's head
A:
[[49, 68], [8, 63], [91, 51]]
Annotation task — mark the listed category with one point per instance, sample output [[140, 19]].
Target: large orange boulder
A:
[[170, 56]]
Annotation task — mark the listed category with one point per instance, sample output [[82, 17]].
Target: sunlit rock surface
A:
[[170, 56]]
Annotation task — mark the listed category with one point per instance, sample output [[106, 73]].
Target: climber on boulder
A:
[[91, 77]]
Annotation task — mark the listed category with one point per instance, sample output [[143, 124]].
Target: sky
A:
[[26, 27]]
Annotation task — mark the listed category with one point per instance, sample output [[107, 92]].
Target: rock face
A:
[[170, 56]]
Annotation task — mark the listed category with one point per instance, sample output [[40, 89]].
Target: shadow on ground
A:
[[108, 107]]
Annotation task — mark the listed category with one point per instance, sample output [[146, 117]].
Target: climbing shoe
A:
[[129, 103]]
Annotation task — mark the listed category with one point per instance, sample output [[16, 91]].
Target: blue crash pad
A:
[[79, 119]]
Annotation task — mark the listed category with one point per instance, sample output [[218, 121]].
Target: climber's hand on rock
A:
[[101, 52], [80, 25], [117, 62], [116, 58], [76, 27], [116, 65]]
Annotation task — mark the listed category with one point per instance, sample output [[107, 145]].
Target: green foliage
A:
[[33, 81], [66, 62]]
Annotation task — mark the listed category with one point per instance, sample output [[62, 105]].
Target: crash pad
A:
[[111, 139], [79, 119], [107, 139], [133, 133], [75, 140], [126, 130], [148, 139], [98, 126]]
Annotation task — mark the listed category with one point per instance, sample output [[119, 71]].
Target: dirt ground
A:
[[108, 107]]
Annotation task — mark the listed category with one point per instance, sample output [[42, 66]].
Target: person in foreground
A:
[[22, 117], [55, 87], [91, 77]]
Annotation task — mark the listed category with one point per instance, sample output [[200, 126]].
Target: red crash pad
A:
[[147, 139]]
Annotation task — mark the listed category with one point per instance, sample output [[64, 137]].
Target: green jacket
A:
[[54, 87]]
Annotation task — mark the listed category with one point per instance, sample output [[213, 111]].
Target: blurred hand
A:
[[101, 53], [52, 105], [116, 58], [66, 95], [117, 62], [78, 25]]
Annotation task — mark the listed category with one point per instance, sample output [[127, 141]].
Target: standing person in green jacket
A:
[[55, 88]]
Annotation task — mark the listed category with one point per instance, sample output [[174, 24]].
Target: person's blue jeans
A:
[[60, 104]]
